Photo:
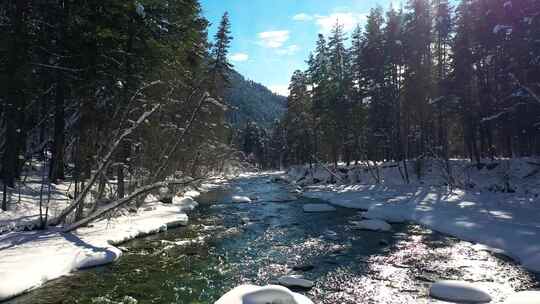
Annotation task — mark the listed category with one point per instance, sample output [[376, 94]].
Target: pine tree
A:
[[220, 66]]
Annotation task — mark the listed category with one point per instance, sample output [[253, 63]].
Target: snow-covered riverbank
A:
[[31, 258], [506, 223]]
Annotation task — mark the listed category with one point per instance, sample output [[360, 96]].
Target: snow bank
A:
[[457, 291], [524, 297], [251, 294], [29, 259], [318, 208], [504, 222]]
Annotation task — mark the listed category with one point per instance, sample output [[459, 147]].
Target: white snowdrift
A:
[[251, 294], [318, 208], [241, 199], [457, 291], [374, 225], [524, 297], [29, 259]]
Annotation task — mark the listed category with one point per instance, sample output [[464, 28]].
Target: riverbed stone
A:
[[458, 291], [374, 225], [295, 281]]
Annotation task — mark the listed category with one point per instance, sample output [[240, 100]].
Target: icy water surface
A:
[[227, 244]]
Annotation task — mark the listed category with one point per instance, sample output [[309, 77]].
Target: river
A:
[[227, 244]]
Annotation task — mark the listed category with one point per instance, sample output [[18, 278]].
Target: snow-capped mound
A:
[[318, 208], [251, 294], [240, 199], [187, 202], [458, 291], [374, 225], [524, 297], [192, 193]]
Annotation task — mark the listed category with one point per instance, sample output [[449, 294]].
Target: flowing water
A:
[[227, 244]]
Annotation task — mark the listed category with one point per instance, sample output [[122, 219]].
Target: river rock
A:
[[251, 294], [318, 208], [240, 199], [524, 297], [458, 291], [295, 281], [374, 225]]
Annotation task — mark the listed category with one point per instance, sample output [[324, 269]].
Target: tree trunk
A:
[[14, 101], [57, 156]]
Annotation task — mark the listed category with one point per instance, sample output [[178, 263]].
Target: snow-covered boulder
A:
[[374, 225], [240, 199], [524, 297], [458, 291], [295, 281], [186, 203], [271, 294], [318, 208], [192, 193], [150, 198]]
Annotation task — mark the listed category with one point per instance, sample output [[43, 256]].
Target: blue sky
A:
[[274, 38]]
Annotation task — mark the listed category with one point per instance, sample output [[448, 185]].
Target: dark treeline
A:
[[119, 90], [429, 80]]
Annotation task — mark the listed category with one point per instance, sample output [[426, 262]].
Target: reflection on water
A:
[[227, 244]]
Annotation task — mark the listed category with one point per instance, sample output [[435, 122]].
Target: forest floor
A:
[[32, 257], [501, 221]]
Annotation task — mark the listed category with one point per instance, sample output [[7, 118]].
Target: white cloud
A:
[[302, 17], [349, 21], [289, 50], [273, 39], [239, 57], [280, 89]]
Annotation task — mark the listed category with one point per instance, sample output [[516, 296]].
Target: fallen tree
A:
[[119, 203]]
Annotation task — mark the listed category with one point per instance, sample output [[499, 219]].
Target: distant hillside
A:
[[253, 101]]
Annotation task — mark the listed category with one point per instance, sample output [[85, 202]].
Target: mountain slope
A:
[[251, 101]]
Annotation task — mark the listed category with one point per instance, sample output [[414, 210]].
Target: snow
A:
[[32, 258], [458, 291], [192, 193], [241, 199], [271, 294], [499, 27], [318, 208], [524, 297], [374, 225], [502, 222], [139, 8], [292, 281]]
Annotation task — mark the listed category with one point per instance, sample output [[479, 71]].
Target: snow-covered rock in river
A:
[[251, 294], [524, 297], [458, 291], [318, 208], [294, 281], [374, 225], [241, 199], [192, 193], [187, 202]]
